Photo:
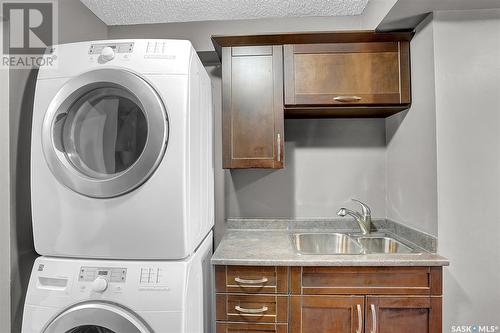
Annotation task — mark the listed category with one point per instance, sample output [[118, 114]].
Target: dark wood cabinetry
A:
[[255, 299], [252, 308], [266, 78], [251, 328], [252, 109], [349, 76], [412, 314], [326, 314]]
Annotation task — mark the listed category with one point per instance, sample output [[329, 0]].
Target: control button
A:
[[150, 47], [99, 285], [107, 53], [117, 289], [157, 47]]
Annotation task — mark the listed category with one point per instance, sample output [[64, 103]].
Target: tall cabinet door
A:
[[252, 107], [326, 314], [411, 314]]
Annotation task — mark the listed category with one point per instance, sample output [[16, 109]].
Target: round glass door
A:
[[96, 318], [105, 133]]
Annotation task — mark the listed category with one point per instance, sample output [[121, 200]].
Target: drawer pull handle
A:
[[244, 281], [374, 319], [251, 311], [347, 98], [360, 319]]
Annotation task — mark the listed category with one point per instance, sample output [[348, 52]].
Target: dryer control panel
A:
[[117, 47], [113, 274]]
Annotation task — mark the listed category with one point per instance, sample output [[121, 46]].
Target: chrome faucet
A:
[[364, 220]]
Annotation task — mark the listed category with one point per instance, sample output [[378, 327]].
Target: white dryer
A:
[[121, 156], [107, 296]]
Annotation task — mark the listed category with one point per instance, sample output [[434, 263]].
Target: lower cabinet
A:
[[327, 314], [388, 314], [251, 328], [370, 314], [328, 299]]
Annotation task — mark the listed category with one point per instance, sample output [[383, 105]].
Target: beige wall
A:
[[411, 143], [76, 23], [467, 51], [4, 203], [327, 162]]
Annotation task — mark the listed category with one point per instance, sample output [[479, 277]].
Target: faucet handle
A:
[[366, 209]]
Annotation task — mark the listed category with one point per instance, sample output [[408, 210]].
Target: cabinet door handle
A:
[[374, 318], [244, 281], [360, 319], [278, 139], [347, 98], [251, 311]]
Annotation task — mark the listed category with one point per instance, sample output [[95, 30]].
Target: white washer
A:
[[121, 159], [105, 296]]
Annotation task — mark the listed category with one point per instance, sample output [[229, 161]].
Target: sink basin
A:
[[325, 243], [377, 244], [336, 243]]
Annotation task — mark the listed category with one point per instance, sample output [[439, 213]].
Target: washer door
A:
[[96, 318], [104, 133]]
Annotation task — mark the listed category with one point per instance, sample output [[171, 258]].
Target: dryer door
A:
[[104, 133], [96, 318]]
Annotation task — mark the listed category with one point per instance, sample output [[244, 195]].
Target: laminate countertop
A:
[[270, 245]]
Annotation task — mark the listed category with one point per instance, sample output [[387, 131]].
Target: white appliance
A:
[[121, 159], [105, 296]]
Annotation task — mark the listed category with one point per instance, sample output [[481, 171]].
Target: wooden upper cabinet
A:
[[252, 109], [412, 314], [325, 314], [266, 78], [372, 78]]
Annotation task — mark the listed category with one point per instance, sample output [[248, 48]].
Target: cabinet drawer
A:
[[251, 279], [366, 280], [251, 328], [252, 308]]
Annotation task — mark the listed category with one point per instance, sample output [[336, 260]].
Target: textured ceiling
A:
[[124, 12]]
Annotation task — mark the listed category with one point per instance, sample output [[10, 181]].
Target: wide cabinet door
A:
[[252, 110], [327, 314], [411, 314], [347, 74]]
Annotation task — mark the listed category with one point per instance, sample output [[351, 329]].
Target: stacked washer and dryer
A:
[[122, 190]]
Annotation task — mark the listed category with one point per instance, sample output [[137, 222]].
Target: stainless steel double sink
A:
[[339, 243]]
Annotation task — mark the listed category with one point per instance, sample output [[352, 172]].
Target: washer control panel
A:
[[116, 47], [89, 274], [156, 47], [152, 278]]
